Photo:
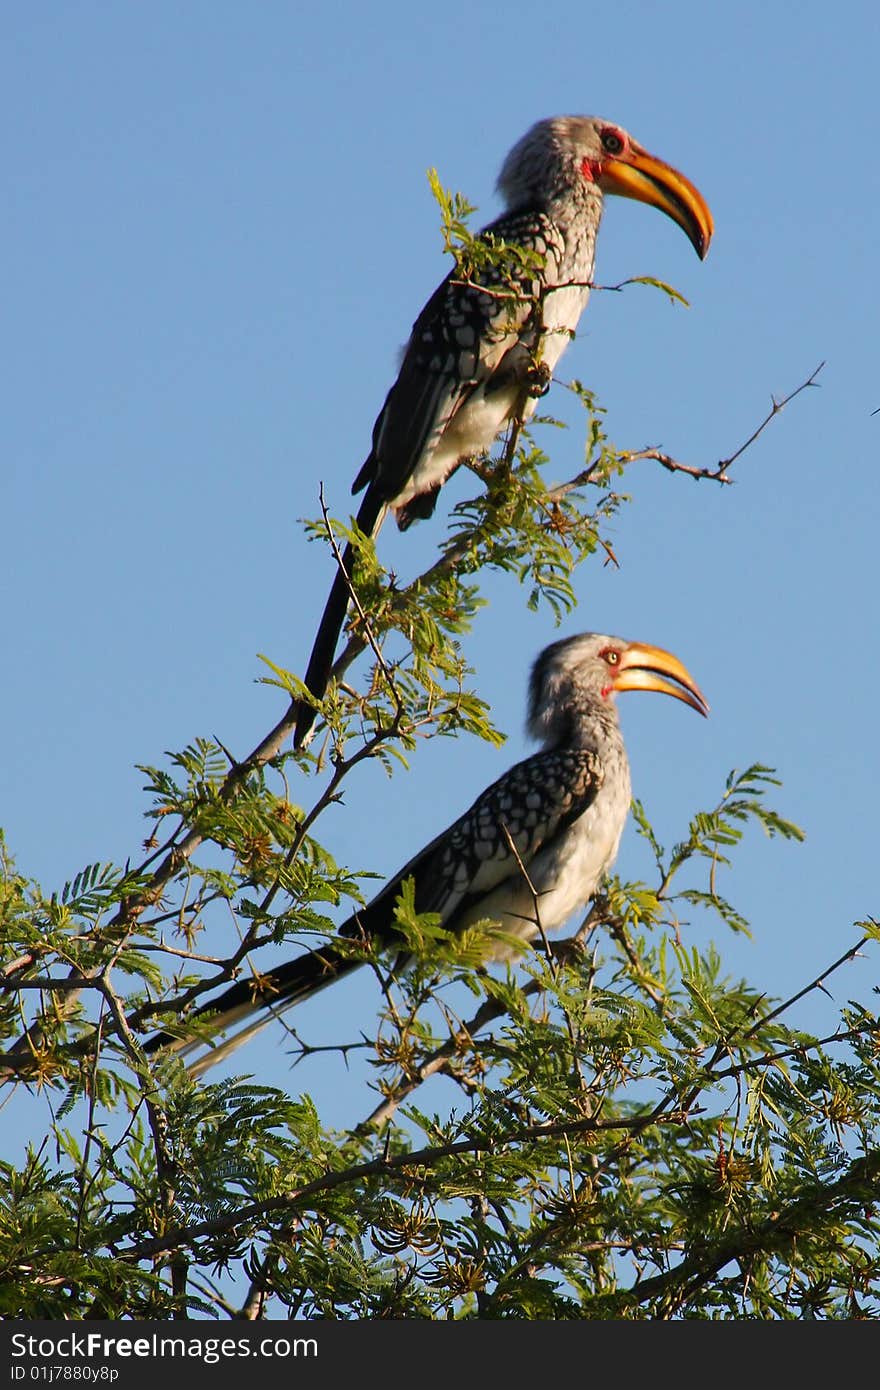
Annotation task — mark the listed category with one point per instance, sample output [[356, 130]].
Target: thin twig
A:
[[22, 962], [511, 844], [807, 989], [366, 627], [385, 1166], [488, 1012], [775, 408], [718, 474]]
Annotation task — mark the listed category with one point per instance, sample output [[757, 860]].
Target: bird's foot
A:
[[537, 380]]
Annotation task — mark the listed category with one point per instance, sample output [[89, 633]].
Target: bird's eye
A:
[[611, 656], [612, 140]]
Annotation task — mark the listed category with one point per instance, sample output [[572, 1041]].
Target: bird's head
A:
[[583, 673], [565, 152]]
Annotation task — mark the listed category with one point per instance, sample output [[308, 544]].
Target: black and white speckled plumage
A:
[[481, 353], [472, 354], [545, 833], [470, 872]]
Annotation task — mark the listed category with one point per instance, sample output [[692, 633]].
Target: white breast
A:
[[565, 874], [490, 407], [562, 312]]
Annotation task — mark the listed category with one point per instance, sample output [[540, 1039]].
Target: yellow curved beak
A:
[[637, 174], [643, 667]]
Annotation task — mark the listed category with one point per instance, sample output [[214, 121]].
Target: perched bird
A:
[[482, 352], [529, 852]]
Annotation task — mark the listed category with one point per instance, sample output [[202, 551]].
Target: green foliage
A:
[[712, 832], [482, 257], [617, 1128], [672, 294]]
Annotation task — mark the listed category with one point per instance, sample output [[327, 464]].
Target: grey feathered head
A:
[[579, 676], [563, 156]]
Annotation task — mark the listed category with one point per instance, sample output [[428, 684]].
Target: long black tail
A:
[[255, 1003], [317, 677], [303, 976]]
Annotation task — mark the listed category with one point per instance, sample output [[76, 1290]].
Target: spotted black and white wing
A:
[[456, 876], [459, 342], [533, 804]]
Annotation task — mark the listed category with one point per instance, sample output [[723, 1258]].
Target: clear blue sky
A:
[[216, 235]]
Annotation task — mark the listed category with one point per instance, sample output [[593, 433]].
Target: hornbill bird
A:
[[482, 351], [529, 852]]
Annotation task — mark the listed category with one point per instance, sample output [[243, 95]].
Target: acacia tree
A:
[[636, 1135]]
